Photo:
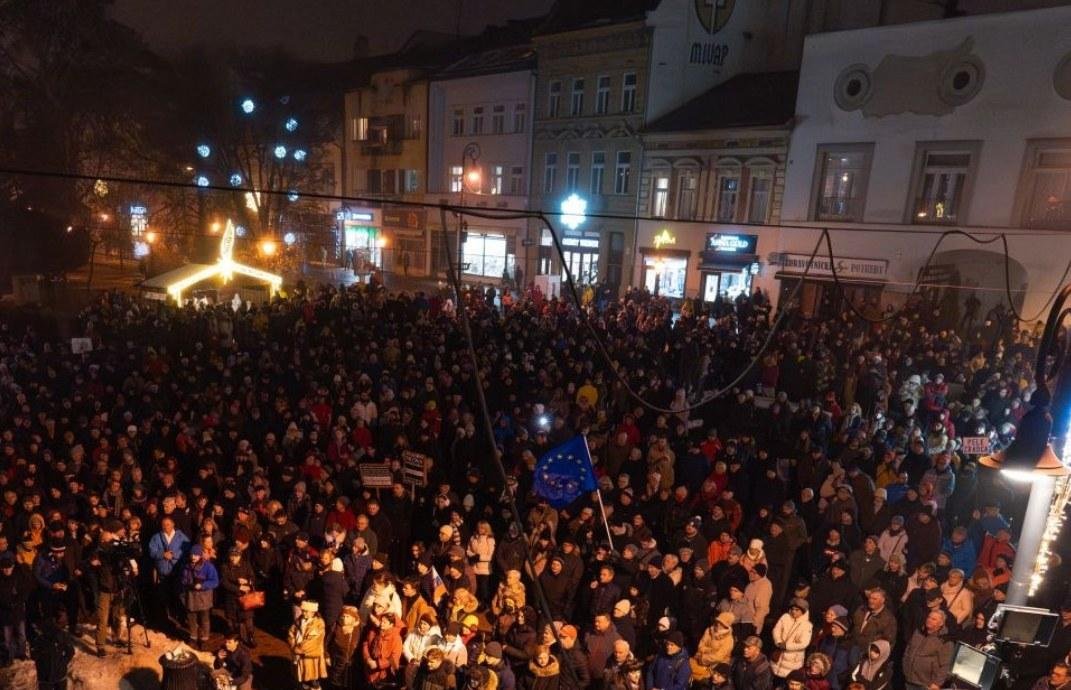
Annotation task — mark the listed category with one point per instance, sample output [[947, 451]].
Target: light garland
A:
[[1055, 522], [225, 267]]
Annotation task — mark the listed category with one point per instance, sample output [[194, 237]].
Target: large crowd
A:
[[203, 470]]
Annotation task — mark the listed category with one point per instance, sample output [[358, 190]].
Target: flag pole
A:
[[598, 494]]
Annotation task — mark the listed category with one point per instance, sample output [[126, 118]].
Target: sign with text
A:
[[847, 268], [975, 445], [415, 468], [719, 243], [375, 476], [405, 218], [80, 345]]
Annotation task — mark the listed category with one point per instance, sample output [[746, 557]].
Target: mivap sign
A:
[[847, 268], [713, 15]]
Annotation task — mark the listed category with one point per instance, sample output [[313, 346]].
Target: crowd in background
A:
[[816, 527]]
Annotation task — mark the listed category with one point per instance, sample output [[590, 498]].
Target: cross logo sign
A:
[[714, 14]]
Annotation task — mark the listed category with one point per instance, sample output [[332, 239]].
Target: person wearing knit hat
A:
[[715, 646], [306, 638], [791, 636], [796, 680], [843, 623]]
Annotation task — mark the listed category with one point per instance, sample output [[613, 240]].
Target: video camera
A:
[[123, 554]]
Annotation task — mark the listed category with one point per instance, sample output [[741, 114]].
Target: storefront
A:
[[362, 239], [405, 242], [488, 254], [729, 262], [862, 282]]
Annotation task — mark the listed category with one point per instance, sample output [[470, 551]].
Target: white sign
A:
[[80, 345], [975, 445], [847, 268]]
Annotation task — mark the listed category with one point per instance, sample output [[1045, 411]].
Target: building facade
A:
[[893, 146], [479, 154], [385, 152]]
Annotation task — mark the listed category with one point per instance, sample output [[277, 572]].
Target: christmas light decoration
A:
[[201, 181], [290, 125], [300, 154], [236, 180], [204, 150], [292, 196], [248, 106], [289, 239], [280, 151], [225, 267], [1054, 524]]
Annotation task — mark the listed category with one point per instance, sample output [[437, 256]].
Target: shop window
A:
[[487, 255], [660, 196], [665, 275], [942, 181], [1046, 184], [841, 182]]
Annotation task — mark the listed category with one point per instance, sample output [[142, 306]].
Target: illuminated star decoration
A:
[[290, 125], [293, 196], [204, 150], [280, 151], [236, 180], [248, 106], [225, 267], [573, 211], [300, 154], [239, 230], [289, 238], [201, 181]]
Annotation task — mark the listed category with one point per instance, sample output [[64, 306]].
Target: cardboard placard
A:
[[975, 445], [415, 468], [375, 476], [80, 345]]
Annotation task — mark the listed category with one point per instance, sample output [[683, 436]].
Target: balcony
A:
[[390, 147]]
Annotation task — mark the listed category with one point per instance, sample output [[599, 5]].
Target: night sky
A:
[[310, 29]]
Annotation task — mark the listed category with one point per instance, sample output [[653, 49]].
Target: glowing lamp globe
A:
[[248, 106], [280, 151], [141, 250], [574, 210]]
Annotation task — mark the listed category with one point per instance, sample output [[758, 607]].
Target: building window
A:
[[498, 119], [1046, 184], [572, 170], [456, 177], [840, 190], [687, 193], [623, 173], [498, 176], [416, 127], [375, 181], [942, 181], [516, 180], [554, 99], [477, 120], [628, 93], [576, 101], [758, 197], [598, 171], [390, 181], [487, 255], [459, 123], [665, 275], [550, 172], [519, 116], [412, 180], [660, 198], [602, 96], [360, 129], [728, 192]]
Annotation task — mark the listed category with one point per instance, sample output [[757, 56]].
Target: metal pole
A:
[[1037, 514], [598, 494]]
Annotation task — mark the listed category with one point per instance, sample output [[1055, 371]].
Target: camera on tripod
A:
[[123, 554]]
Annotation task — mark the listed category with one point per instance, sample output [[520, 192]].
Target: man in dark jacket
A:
[[52, 652], [752, 670], [555, 585], [928, 657], [235, 659], [600, 645], [493, 658], [16, 584], [604, 591], [670, 669], [577, 676], [433, 672], [329, 588]]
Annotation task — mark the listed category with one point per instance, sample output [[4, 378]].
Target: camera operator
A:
[[111, 564]]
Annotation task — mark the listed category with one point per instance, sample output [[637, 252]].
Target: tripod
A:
[[131, 598]]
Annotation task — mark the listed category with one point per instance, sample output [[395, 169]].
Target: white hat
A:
[[622, 608], [755, 545], [309, 605]]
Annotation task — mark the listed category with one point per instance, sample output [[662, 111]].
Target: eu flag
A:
[[564, 473]]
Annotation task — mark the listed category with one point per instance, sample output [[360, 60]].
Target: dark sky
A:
[[310, 29]]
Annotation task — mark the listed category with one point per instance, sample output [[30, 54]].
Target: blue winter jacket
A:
[[670, 672]]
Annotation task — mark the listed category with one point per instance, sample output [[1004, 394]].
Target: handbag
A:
[[251, 600]]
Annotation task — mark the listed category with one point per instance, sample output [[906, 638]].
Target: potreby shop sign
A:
[[847, 268]]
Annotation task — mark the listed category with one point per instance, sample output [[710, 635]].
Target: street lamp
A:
[[470, 154], [268, 247], [1031, 459]]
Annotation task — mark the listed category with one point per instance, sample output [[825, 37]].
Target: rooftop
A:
[[572, 15], [746, 100]]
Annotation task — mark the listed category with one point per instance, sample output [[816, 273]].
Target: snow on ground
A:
[[139, 671]]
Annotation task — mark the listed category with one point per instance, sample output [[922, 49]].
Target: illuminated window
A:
[[456, 173], [840, 186], [728, 192], [660, 198], [942, 182], [1046, 184], [498, 174]]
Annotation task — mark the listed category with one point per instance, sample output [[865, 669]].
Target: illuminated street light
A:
[[268, 247], [473, 178], [141, 250], [104, 217], [574, 211], [151, 237]]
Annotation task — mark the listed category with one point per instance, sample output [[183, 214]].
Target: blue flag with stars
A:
[[564, 473]]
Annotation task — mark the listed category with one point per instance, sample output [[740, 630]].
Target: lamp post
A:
[[1031, 457], [470, 177]]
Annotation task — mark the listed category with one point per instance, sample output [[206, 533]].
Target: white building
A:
[[482, 104], [903, 132]]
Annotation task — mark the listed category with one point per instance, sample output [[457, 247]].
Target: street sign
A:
[[975, 445], [415, 468], [375, 476]]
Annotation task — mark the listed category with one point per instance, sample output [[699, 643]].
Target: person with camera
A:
[[235, 659], [112, 566], [199, 582]]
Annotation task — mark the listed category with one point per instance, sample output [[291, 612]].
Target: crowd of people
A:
[[818, 527]]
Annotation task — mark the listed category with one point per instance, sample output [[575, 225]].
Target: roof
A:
[[746, 100], [572, 15], [160, 282], [510, 59]]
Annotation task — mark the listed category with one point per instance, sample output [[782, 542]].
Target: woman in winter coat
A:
[[510, 591], [874, 671], [715, 647], [791, 637], [382, 650], [422, 637], [481, 552], [342, 649], [544, 671], [236, 580], [199, 582], [306, 638], [383, 593]]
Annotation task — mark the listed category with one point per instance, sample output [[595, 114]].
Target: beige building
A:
[[385, 159]]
